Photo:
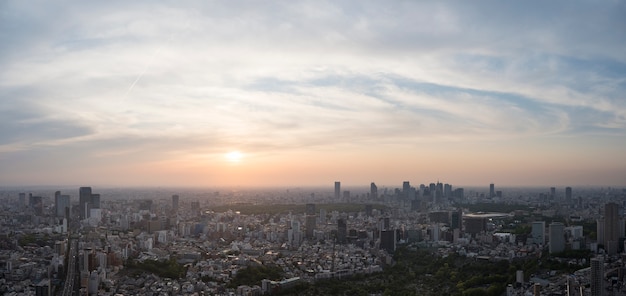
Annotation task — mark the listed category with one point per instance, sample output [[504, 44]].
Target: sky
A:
[[270, 93]]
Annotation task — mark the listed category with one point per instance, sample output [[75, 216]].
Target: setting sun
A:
[[234, 156]]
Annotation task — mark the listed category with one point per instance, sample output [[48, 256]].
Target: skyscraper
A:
[[492, 190], [557, 237], [337, 190], [342, 231], [36, 204], [60, 203], [538, 232], [84, 199], [373, 191], [309, 222], [406, 185], [552, 192], [175, 203], [597, 276], [568, 195], [611, 228], [310, 226]]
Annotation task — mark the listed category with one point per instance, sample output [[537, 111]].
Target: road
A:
[[72, 269]]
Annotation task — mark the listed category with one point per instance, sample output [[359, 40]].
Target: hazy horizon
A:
[[154, 93]]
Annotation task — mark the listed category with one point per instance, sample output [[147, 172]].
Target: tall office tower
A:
[[310, 226], [36, 204], [611, 228], [95, 201], [411, 194], [440, 187], [539, 232], [459, 194], [342, 231], [368, 210], [568, 195], [600, 231], [492, 190], [597, 276], [84, 199], [195, 208], [388, 240], [552, 193], [175, 203], [373, 191], [22, 199], [406, 185], [456, 219], [447, 191], [337, 190], [60, 203], [557, 237]]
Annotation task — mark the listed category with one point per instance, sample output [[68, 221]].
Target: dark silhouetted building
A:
[[557, 237], [337, 190], [456, 219], [388, 240], [611, 228], [568, 195], [175, 203], [36, 204], [373, 191], [84, 201], [342, 231], [492, 190]]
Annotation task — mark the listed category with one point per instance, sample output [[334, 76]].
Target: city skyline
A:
[[308, 93]]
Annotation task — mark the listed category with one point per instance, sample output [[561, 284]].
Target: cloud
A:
[[147, 81]]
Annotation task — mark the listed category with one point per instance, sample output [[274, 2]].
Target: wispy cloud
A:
[[144, 82]]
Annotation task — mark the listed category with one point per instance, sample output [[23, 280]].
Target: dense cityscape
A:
[[311, 241]]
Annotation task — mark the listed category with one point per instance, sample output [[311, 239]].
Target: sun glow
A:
[[234, 156]]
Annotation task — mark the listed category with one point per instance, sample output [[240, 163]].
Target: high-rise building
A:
[[84, 200], [552, 193], [95, 201], [388, 240], [337, 190], [342, 231], [22, 199], [373, 191], [492, 190], [597, 276], [456, 219], [568, 195], [310, 220], [175, 203], [611, 228], [447, 191], [538, 232], [557, 237], [36, 204], [60, 203], [406, 186], [310, 226]]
